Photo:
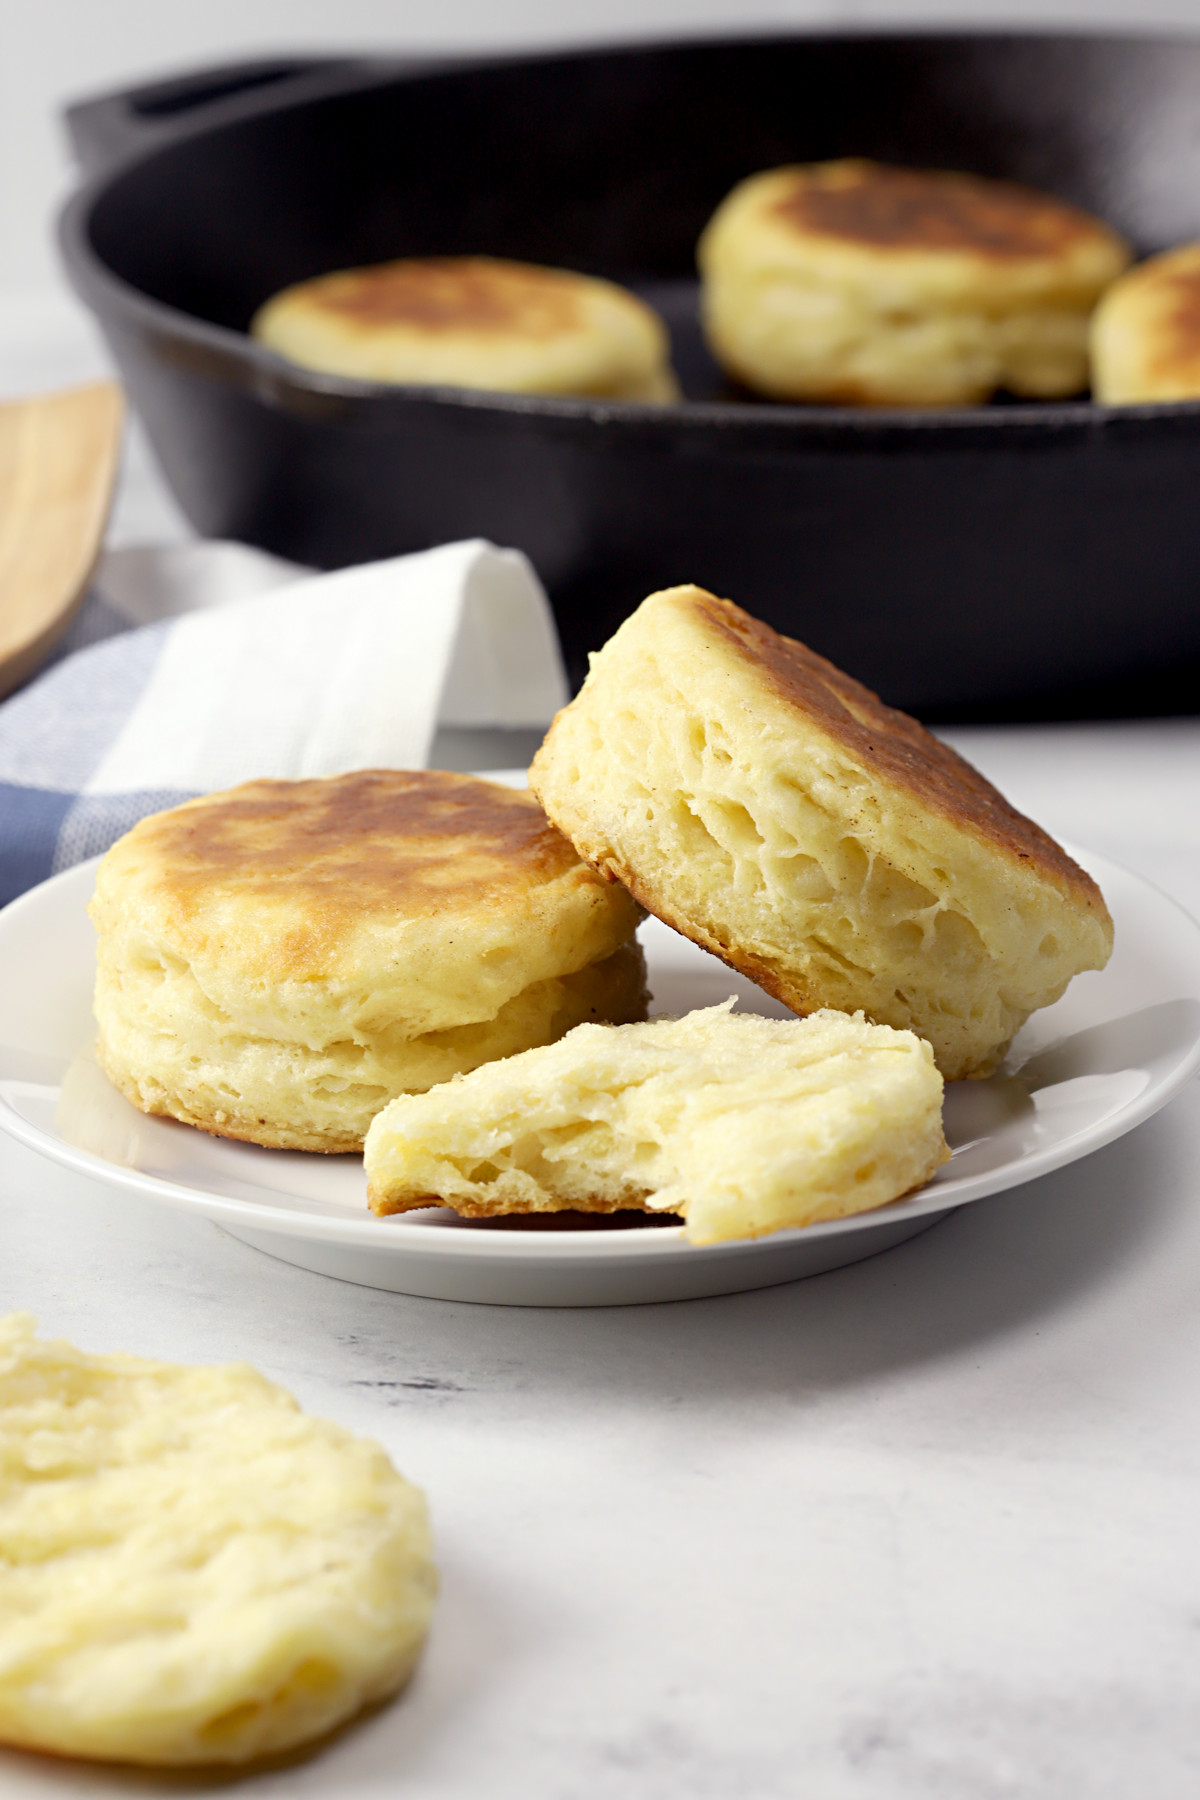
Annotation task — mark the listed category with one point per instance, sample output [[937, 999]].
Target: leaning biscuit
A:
[[776, 812], [742, 1125], [1146, 332], [192, 1571], [853, 281], [277, 962], [474, 321]]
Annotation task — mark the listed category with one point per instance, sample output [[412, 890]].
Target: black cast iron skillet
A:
[[1014, 560]]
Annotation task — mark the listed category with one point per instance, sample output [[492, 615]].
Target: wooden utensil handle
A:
[[58, 464]]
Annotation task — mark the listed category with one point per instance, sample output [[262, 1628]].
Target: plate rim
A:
[[432, 1240]]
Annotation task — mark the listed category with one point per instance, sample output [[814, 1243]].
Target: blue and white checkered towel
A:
[[195, 667]]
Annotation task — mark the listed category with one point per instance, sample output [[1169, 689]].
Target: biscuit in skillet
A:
[[1146, 332], [853, 281], [474, 321]]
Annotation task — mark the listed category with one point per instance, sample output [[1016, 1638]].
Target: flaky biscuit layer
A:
[[276, 962]]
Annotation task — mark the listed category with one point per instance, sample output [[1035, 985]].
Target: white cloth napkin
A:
[[197, 666]]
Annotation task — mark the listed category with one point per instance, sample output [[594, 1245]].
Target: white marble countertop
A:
[[927, 1526]]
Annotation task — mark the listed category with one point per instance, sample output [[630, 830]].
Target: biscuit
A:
[[776, 812], [741, 1124], [277, 962], [474, 321], [192, 1571], [853, 281], [1145, 338]]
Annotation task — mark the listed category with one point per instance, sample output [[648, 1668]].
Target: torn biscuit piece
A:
[[743, 1125]]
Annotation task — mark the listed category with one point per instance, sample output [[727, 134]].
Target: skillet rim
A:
[[272, 378]]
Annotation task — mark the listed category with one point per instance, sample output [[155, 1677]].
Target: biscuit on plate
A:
[[1146, 332], [474, 321], [277, 962], [743, 1125], [778, 813], [191, 1570], [853, 281]]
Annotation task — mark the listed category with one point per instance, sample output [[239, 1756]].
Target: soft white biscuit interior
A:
[[191, 1570], [737, 814], [743, 1125]]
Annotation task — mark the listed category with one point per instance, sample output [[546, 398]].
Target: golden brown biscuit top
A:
[[411, 842], [915, 209], [477, 295], [893, 746]]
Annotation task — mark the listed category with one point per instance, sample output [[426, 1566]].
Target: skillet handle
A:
[[112, 127]]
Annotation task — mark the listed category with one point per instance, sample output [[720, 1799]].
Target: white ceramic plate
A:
[[1113, 1050]]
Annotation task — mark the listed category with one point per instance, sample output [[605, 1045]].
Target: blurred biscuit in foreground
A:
[[192, 1571], [778, 813], [1146, 332], [742, 1125], [474, 321], [853, 281], [277, 962]]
